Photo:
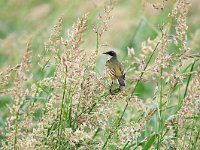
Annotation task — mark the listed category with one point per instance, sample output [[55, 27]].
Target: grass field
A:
[[54, 93]]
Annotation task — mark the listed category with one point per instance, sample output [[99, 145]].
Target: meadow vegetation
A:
[[54, 93]]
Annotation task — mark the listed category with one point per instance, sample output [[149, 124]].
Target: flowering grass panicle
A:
[[20, 116], [66, 104], [188, 108]]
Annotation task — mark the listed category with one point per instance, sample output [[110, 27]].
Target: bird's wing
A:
[[111, 71], [115, 69], [118, 71], [121, 71]]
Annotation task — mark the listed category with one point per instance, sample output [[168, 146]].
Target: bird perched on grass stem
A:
[[115, 70]]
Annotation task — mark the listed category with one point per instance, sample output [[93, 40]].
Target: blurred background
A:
[[21, 20]]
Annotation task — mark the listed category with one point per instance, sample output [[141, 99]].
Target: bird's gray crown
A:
[[111, 53]]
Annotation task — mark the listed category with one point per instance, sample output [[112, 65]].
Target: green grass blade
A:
[[150, 142], [41, 87], [192, 68]]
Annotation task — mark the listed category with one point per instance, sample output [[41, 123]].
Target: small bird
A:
[[115, 70]]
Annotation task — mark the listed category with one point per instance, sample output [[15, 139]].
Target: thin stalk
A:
[[42, 88], [186, 89], [197, 137], [45, 64], [87, 110], [191, 131], [76, 115], [96, 132], [160, 109], [69, 110], [142, 73], [97, 40], [118, 124], [187, 85], [16, 125], [16, 129], [69, 107], [185, 136], [125, 145], [61, 113], [161, 91]]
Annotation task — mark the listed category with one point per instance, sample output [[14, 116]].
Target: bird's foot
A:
[[115, 91]]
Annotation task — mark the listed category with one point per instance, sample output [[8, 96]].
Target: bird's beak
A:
[[105, 53]]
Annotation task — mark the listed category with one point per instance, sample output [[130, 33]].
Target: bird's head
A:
[[111, 53]]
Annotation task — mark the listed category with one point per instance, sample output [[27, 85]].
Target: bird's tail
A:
[[121, 81]]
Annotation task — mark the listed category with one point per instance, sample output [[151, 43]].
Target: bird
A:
[[114, 69]]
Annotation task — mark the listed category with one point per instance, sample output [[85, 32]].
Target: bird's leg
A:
[[118, 89], [115, 91], [111, 89]]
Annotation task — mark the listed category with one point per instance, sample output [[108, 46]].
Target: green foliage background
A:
[[133, 22]]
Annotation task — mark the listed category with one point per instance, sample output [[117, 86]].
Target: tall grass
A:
[[71, 107]]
